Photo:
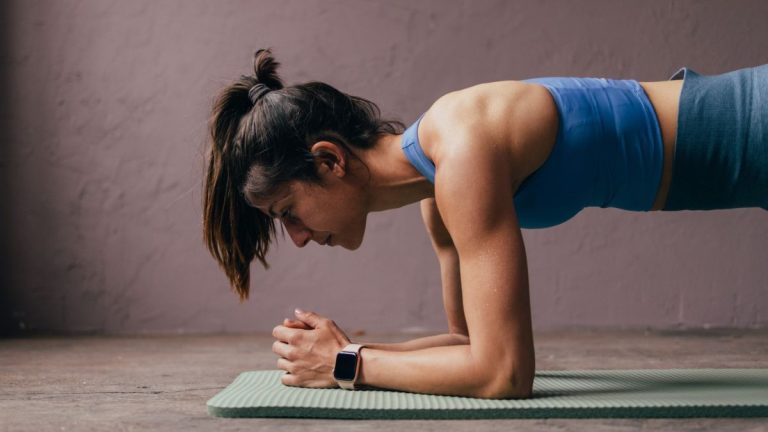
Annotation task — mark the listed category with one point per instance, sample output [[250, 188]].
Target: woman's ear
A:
[[329, 155]]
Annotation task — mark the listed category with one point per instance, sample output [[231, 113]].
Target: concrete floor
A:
[[163, 382]]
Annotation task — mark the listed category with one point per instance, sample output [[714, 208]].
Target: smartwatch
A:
[[347, 367]]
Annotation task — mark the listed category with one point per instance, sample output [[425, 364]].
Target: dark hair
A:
[[258, 145]]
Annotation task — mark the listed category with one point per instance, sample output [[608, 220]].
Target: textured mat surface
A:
[[556, 394]]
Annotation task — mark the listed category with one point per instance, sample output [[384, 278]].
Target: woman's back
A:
[[608, 149]]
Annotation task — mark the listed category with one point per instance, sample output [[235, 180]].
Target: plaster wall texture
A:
[[103, 122]]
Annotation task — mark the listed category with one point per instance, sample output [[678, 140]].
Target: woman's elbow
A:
[[513, 386]]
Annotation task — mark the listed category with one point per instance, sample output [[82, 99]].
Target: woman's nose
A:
[[300, 234]]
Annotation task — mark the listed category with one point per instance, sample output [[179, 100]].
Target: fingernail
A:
[[298, 311]]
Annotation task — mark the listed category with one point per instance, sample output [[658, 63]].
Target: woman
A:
[[483, 162]]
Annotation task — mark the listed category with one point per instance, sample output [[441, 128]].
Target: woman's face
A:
[[332, 214], [311, 212]]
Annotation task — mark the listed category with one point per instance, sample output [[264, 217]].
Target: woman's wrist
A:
[[360, 381]]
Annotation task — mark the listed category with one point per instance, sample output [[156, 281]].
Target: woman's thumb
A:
[[309, 318]]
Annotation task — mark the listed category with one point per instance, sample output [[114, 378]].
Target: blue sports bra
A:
[[608, 152]]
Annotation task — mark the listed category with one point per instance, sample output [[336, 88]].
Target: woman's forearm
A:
[[446, 339], [445, 370]]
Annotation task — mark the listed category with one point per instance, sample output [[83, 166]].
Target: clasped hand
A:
[[307, 347]]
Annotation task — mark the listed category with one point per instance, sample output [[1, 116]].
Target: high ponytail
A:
[[258, 145], [265, 69]]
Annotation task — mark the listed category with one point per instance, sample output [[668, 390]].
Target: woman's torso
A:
[[507, 105]]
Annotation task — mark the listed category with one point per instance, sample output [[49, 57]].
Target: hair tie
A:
[[257, 91]]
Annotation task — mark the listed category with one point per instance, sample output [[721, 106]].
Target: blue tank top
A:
[[608, 152]]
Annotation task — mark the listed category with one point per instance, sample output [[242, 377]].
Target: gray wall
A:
[[103, 124]]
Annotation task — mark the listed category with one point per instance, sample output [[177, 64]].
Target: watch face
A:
[[346, 364]]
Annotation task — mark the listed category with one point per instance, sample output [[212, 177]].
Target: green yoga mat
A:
[[556, 394]]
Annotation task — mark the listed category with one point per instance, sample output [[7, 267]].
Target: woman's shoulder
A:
[[509, 121]]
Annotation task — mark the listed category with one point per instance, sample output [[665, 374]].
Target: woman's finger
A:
[[289, 380], [285, 334], [312, 319], [296, 324], [285, 364], [283, 350]]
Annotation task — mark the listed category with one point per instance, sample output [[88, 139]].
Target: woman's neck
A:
[[394, 182]]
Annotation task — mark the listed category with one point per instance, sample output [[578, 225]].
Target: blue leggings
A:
[[721, 150]]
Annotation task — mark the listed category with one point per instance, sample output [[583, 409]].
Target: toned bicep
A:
[[475, 197]]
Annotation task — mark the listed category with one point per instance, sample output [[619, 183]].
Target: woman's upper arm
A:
[[474, 193]]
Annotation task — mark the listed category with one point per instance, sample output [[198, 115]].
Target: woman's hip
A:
[[721, 148]]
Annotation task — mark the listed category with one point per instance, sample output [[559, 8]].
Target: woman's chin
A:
[[351, 247], [347, 243]]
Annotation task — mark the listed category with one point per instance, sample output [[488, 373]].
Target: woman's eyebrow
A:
[[269, 209]]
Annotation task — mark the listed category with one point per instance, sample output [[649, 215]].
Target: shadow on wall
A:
[[6, 301]]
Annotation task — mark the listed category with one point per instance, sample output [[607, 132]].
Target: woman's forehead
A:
[[264, 203]]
